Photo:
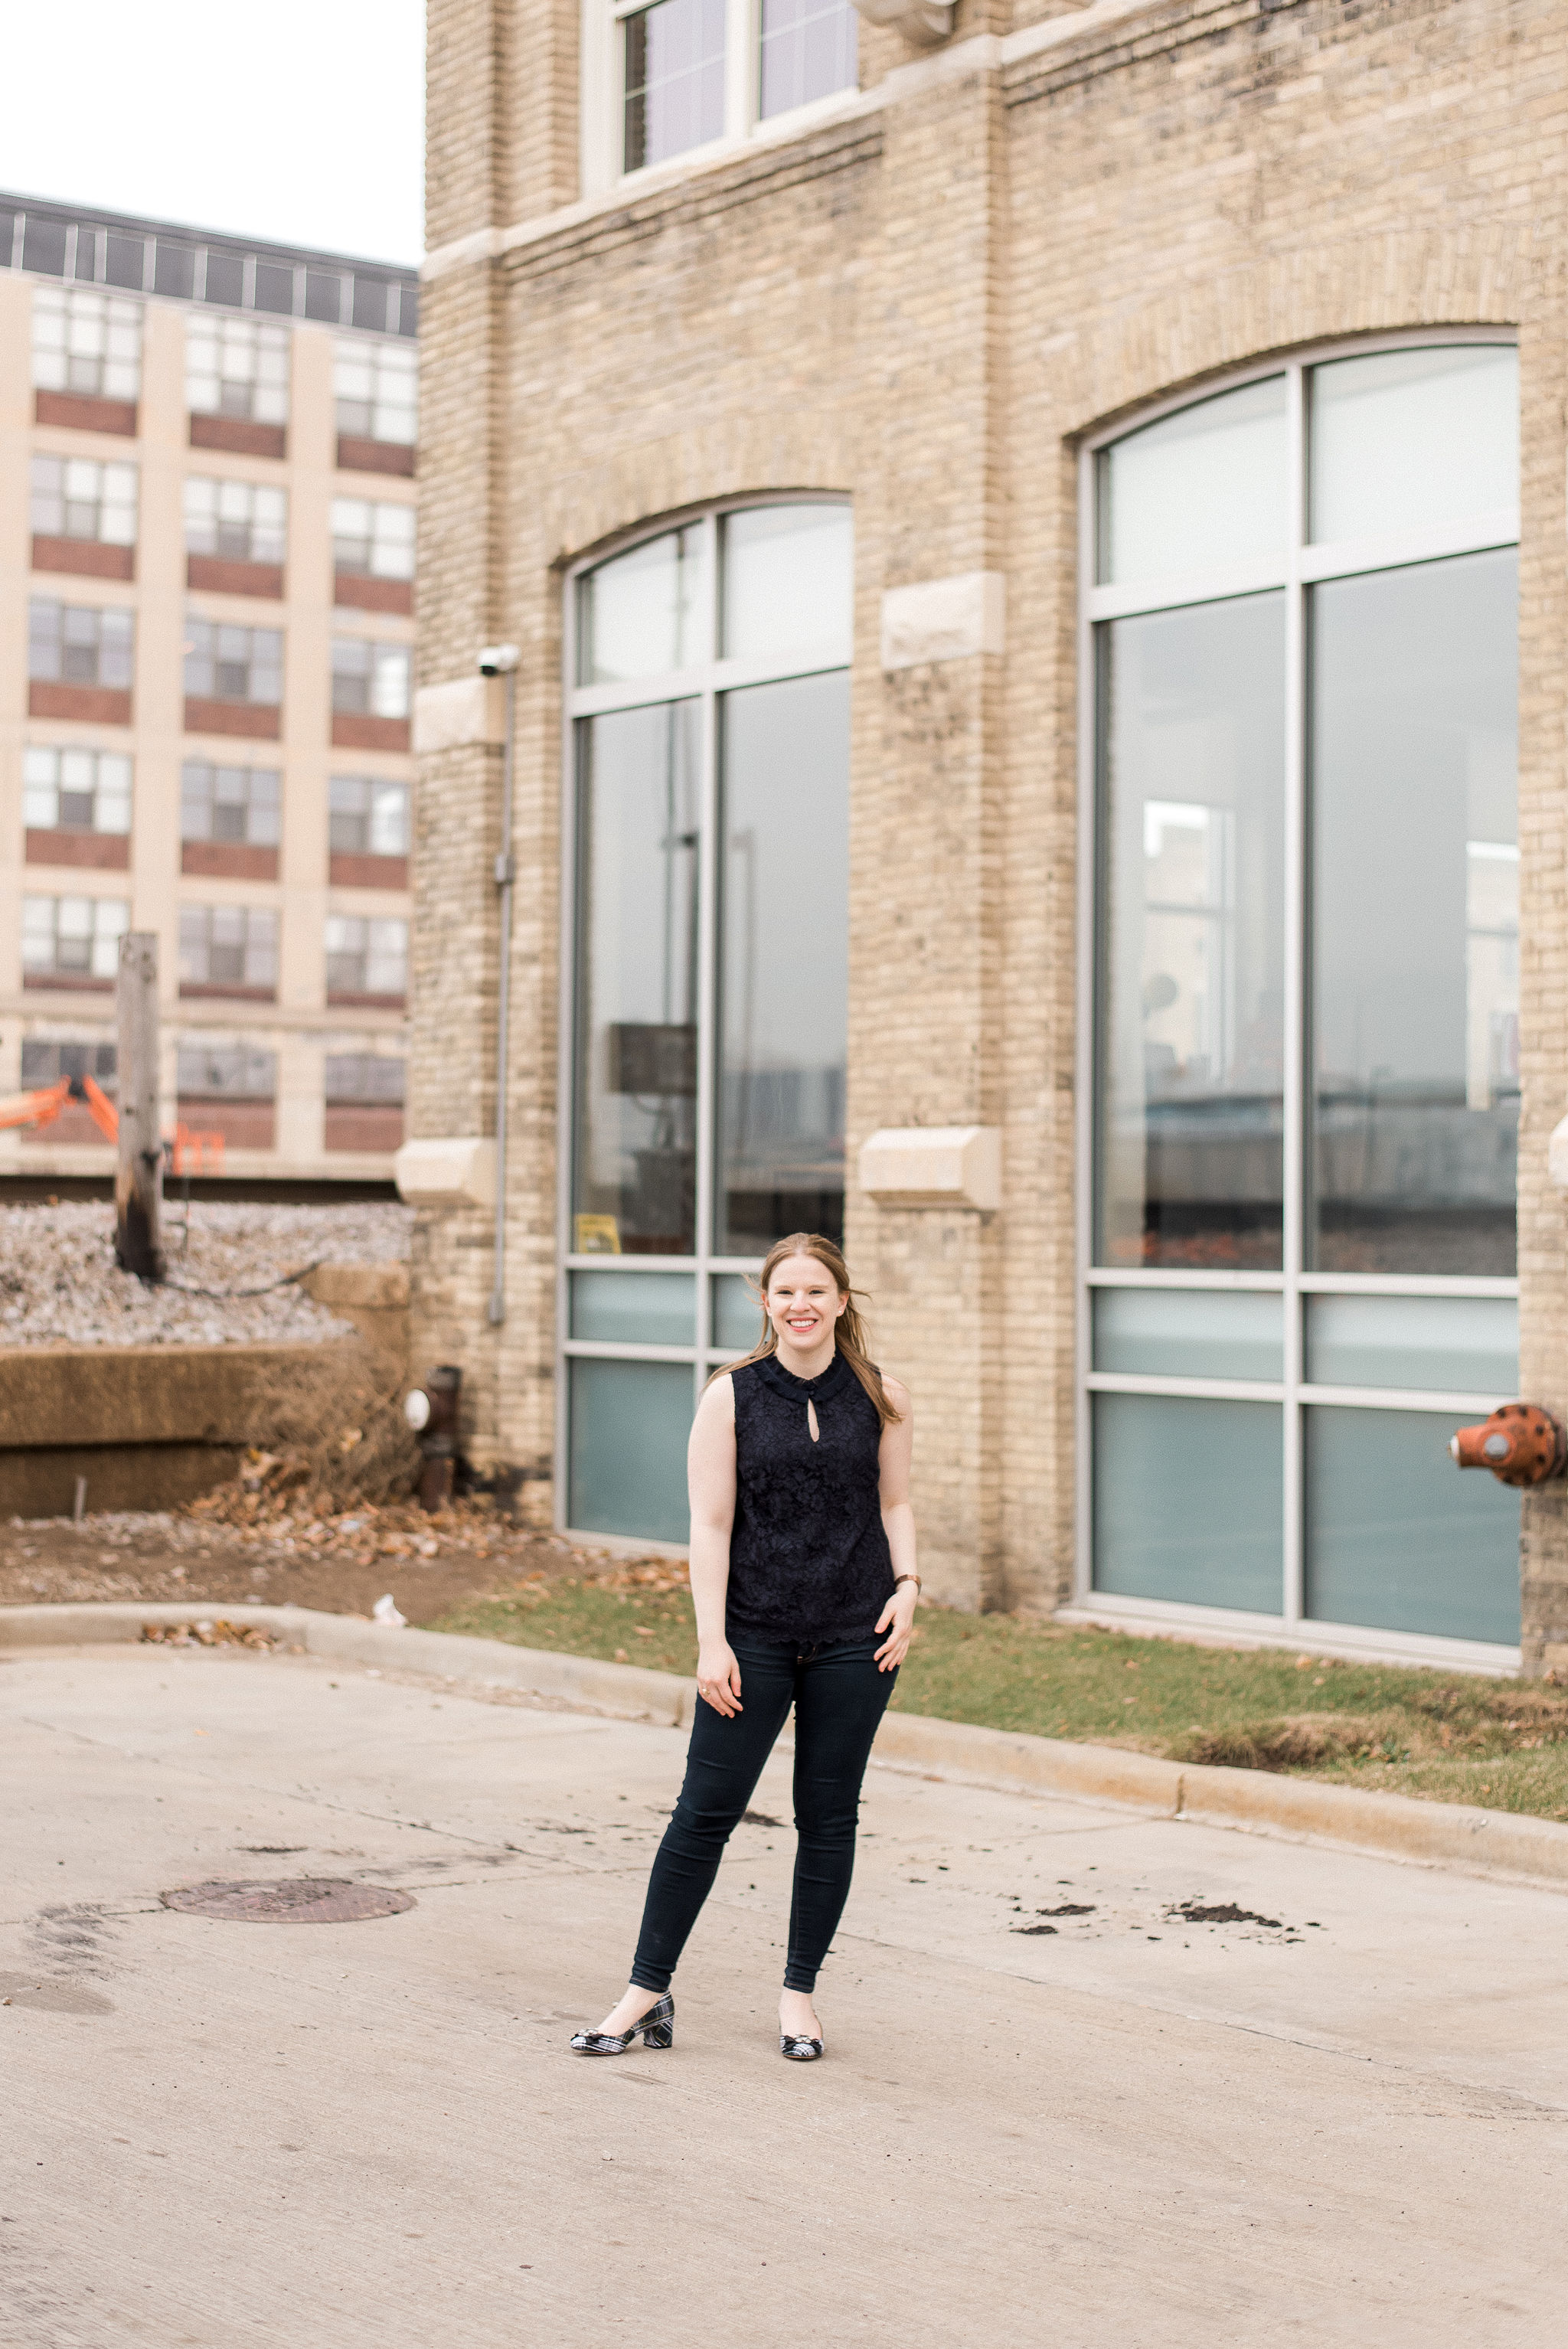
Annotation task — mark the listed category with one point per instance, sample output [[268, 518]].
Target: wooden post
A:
[[138, 1176]]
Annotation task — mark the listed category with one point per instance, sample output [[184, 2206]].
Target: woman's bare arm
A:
[[710, 1482], [894, 1459]]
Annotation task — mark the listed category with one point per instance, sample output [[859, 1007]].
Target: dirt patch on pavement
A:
[[341, 1564]]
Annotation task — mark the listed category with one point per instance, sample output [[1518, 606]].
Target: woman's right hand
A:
[[718, 1678]]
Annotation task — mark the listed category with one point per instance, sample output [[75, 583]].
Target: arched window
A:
[[709, 705], [1300, 1257]]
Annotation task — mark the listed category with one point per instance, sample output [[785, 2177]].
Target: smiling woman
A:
[[802, 1571]]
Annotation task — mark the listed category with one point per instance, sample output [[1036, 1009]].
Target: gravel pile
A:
[[59, 1284]]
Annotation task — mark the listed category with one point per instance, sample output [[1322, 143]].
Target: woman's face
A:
[[802, 1302]]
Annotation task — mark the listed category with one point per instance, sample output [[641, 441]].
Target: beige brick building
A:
[[1127, 890], [207, 450]]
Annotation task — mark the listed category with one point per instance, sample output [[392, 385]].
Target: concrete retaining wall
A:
[[151, 1427]]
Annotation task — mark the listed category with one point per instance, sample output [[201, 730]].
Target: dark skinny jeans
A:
[[839, 1697]]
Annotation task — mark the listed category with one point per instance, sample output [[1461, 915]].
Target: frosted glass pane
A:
[[1406, 441], [1189, 1501], [1197, 492], [639, 615], [1401, 1539], [787, 578], [737, 1315], [655, 1309], [1468, 1343], [630, 1421], [1185, 1333]]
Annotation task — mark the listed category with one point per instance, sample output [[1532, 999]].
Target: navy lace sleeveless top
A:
[[809, 1556]]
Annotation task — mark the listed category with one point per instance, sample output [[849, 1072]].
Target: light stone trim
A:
[[983, 52], [944, 619], [920, 21], [467, 709], [1557, 1155], [934, 1167], [453, 1171]]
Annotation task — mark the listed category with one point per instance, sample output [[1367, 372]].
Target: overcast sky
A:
[[301, 121]]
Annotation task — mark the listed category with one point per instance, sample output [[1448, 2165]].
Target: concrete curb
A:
[[1433, 1835], [625, 1689]]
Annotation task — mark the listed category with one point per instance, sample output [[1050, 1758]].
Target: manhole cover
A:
[[291, 1900]]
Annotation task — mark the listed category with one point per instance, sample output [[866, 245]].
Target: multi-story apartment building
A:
[[206, 458], [1036, 538]]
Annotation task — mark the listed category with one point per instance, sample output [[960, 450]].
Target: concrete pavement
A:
[[1337, 2119]]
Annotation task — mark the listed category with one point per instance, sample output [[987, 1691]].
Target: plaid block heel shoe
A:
[[797, 2048], [657, 2027]]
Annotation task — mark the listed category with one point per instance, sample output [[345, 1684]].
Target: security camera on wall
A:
[[495, 660]]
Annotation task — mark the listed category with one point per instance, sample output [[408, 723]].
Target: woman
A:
[[802, 1557]]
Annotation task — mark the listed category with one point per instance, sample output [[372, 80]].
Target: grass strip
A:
[[1451, 1737]]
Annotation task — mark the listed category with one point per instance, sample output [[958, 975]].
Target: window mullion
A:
[[708, 939], [740, 67], [1294, 1136]]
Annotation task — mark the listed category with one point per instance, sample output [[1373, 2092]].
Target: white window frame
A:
[[1303, 564], [706, 681], [601, 94]]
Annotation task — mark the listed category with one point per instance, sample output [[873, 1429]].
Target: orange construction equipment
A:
[[42, 1108], [192, 1152]]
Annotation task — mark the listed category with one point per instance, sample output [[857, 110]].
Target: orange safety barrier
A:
[[197, 1152]]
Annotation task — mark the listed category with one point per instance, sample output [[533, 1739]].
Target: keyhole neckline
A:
[[821, 1389]]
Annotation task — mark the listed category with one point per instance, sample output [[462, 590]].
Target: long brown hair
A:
[[848, 1329]]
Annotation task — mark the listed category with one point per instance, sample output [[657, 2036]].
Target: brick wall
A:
[[926, 306]]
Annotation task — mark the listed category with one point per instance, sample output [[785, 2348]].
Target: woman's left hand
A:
[[897, 1619]]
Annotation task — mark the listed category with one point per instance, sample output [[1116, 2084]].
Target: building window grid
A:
[[373, 537], [80, 644], [368, 816], [73, 937], [206, 1069], [375, 387], [1305, 563], [236, 522], [370, 679], [86, 343], [366, 955], [81, 497], [237, 367], [229, 946], [706, 681], [225, 663], [364, 1079], [66, 788], [234, 806]]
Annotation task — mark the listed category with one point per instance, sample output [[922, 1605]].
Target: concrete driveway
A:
[[1337, 2119]]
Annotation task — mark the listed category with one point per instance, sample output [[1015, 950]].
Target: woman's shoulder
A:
[[896, 1392], [718, 1397]]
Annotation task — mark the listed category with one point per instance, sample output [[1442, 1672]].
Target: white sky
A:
[[301, 121]]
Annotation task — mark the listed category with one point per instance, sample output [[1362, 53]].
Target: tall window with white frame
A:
[[678, 87], [1300, 1253], [709, 919]]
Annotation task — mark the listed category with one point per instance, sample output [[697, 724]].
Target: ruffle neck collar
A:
[[828, 1384]]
